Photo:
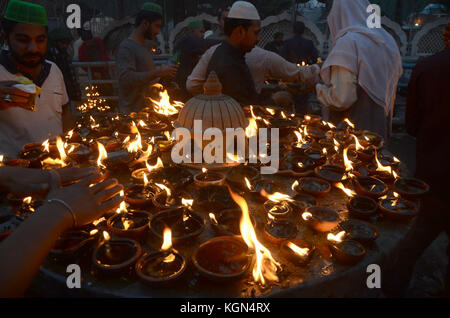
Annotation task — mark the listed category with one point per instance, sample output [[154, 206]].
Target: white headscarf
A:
[[372, 54]]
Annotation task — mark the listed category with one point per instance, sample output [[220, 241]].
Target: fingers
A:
[[96, 178], [104, 185], [105, 195], [111, 204], [73, 174]]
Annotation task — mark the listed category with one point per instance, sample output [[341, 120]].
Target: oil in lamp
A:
[[115, 255], [164, 199], [228, 221], [236, 176], [214, 198], [140, 196], [369, 186], [130, 224], [411, 188], [397, 208], [278, 205], [314, 186], [185, 224], [362, 207], [222, 258], [163, 266], [207, 178], [331, 173], [321, 219], [360, 231], [299, 252], [346, 252], [277, 231], [138, 175], [73, 244]]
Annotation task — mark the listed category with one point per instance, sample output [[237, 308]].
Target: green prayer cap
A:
[[195, 24], [152, 7], [26, 12]]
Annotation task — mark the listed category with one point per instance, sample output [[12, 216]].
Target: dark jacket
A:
[[428, 119]]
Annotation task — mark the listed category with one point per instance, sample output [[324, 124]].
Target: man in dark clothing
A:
[[60, 40], [299, 50], [427, 118], [190, 49], [242, 30], [276, 44]]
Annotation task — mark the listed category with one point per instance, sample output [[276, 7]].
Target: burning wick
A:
[[298, 250], [167, 245], [336, 238], [102, 155], [213, 218], [307, 216], [350, 193], [247, 182]]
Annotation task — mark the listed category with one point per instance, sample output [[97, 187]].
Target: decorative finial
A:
[[212, 85]]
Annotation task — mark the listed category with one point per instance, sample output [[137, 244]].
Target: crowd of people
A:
[[358, 80]]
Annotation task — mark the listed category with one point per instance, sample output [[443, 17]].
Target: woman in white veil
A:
[[362, 70]]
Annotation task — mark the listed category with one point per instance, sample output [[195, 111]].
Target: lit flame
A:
[[247, 182], [53, 162], [348, 192], [106, 236], [336, 238], [357, 144], [204, 170], [145, 179], [307, 216], [27, 200], [331, 125], [253, 114], [167, 245], [307, 118], [71, 149], [123, 206], [126, 224], [60, 146], [159, 164], [294, 185], [213, 218], [69, 134], [164, 188], [265, 266], [298, 250], [142, 124], [46, 145], [252, 128], [164, 107], [396, 194], [347, 162], [394, 174], [299, 137], [396, 160], [136, 144], [283, 115], [349, 123], [380, 167], [93, 232], [271, 111], [97, 222], [278, 197], [102, 155], [187, 203]]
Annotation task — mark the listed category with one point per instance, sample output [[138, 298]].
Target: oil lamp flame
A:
[[159, 164], [204, 170], [252, 128], [46, 145], [283, 115], [145, 179], [247, 182], [380, 167], [265, 266], [298, 250], [271, 111], [164, 107], [97, 222], [336, 238], [253, 114], [53, 162], [349, 123], [167, 242], [93, 232], [187, 203], [308, 118], [349, 192], [299, 137], [136, 144], [278, 197], [347, 162], [294, 185], [102, 155], [60, 146], [306, 216], [357, 144], [106, 236], [123, 206], [27, 200], [213, 218], [164, 188]]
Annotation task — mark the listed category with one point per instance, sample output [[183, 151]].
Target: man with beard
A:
[[135, 64], [24, 29]]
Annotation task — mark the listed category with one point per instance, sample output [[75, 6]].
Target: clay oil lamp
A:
[[397, 208], [370, 187], [411, 188], [314, 186], [57, 163], [185, 224], [228, 222], [129, 224], [278, 205], [316, 155], [165, 142], [35, 154], [161, 267], [214, 198], [302, 201], [101, 127], [236, 176], [222, 258], [78, 152], [298, 165], [345, 252], [277, 231], [315, 132], [299, 252], [115, 255], [302, 144], [360, 231], [362, 207], [373, 139], [139, 174], [208, 178], [152, 128], [109, 143], [164, 198], [331, 173], [8, 223], [174, 176], [263, 188], [386, 174], [140, 196], [321, 219], [73, 244], [365, 154]]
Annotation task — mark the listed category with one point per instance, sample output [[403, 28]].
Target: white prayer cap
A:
[[243, 10]]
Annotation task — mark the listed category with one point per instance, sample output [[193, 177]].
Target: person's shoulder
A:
[[54, 68]]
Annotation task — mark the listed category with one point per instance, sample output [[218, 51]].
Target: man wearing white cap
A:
[[242, 29]]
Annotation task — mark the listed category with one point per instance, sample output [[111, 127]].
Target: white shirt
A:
[[19, 126], [264, 65]]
